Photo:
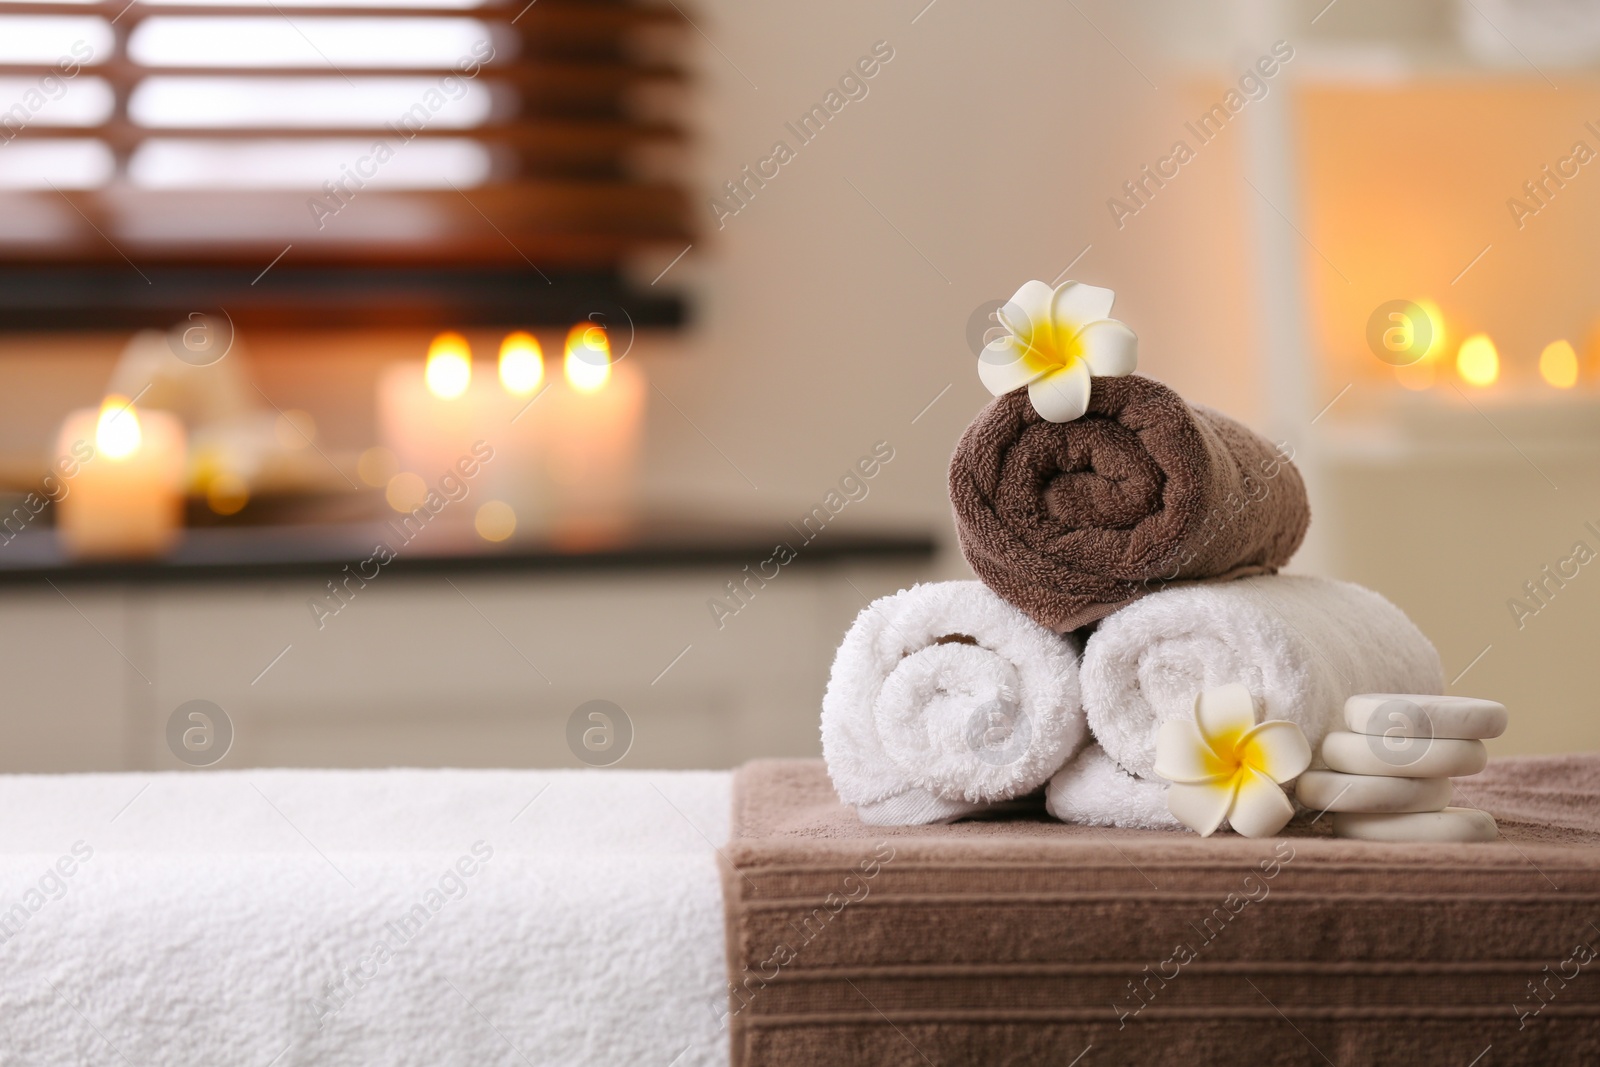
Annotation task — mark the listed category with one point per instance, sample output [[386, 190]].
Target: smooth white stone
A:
[[1333, 791], [1451, 824], [1410, 715], [1403, 757]]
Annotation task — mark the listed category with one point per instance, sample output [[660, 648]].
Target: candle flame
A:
[[1477, 362], [117, 434], [521, 363], [449, 368], [1435, 316], [1558, 364], [588, 360]]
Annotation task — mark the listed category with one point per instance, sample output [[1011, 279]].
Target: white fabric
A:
[[915, 807], [943, 699], [215, 910], [1092, 789], [1301, 645]]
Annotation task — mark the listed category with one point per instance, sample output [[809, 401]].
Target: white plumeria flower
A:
[[1054, 340], [1222, 765]]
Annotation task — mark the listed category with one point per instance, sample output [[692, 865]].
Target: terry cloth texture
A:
[[1301, 645], [1070, 521], [943, 699], [1092, 789], [1024, 941], [358, 918]]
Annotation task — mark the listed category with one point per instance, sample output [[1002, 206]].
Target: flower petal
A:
[[1063, 395], [1075, 305], [1224, 714], [1003, 366], [1277, 748], [1260, 808], [1182, 755], [1110, 348], [1028, 309], [1202, 807]]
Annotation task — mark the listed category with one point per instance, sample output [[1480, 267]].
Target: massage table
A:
[[232, 919], [274, 918], [1019, 940]]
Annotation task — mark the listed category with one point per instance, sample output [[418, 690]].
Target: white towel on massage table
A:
[[1301, 645], [945, 699], [218, 918]]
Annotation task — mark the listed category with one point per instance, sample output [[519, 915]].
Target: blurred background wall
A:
[[833, 312]]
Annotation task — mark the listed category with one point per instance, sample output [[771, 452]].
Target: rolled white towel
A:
[[1092, 789], [945, 699], [1301, 645]]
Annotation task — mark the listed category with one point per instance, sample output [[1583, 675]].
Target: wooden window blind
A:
[[332, 162]]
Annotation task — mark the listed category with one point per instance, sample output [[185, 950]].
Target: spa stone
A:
[[1409, 715], [1451, 824], [1403, 757], [1333, 791]]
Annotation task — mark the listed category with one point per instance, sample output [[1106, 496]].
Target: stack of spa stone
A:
[[1389, 775]]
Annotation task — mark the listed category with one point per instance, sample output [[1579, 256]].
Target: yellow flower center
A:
[[1049, 347], [1249, 754], [1221, 757], [1232, 759]]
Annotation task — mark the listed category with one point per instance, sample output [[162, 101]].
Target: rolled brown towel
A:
[[1070, 521]]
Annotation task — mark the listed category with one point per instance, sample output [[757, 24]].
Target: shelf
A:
[[262, 553], [78, 298]]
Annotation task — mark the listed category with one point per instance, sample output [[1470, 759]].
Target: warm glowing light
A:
[[1558, 364], [588, 361], [495, 521], [449, 369], [521, 363], [406, 491], [227, 494], [117, 434], [1436, 321], [1477, 362]]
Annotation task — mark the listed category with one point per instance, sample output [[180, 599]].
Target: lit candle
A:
[[1477, 361], [521, 364], [595, 422], [1420, 373], [429, 416], [128, 499], [517, 488], [448, 369], [430, 413]]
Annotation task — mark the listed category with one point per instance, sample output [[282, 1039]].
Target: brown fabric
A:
[[1021, 941], [1070, 521]]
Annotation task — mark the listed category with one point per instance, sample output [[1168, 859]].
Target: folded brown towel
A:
[[1023, 941], [1070, 521]]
